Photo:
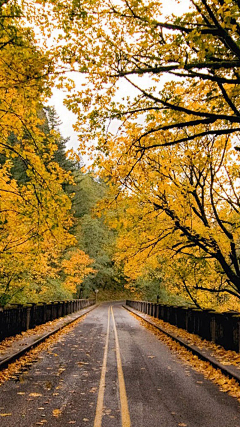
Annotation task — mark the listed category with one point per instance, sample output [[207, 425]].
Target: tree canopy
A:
[[35, 212], [116, 43], [158, 110]]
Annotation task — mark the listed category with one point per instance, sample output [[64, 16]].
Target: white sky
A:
[[67, 117]]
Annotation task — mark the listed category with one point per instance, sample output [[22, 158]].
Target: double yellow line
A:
[[99, 410], [122, 389]]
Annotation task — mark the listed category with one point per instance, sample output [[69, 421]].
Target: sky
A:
[[67, 117]]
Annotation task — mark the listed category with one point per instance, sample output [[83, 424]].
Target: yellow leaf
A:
[[35, 394], [56, 412]]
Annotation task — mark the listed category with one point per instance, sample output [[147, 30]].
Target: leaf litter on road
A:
[[226, 384], [34, 354]]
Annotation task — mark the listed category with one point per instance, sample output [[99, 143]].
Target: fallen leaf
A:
[[56, 412], [35, 394]]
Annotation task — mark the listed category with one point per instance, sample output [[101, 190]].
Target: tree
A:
[[35, 213], [94, 236], [121, 41], [180, 201], [76, 267], [51, 125], [195, 112], [173, 153]]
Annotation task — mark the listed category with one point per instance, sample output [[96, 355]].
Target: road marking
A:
[[99, 410], [126, 422]]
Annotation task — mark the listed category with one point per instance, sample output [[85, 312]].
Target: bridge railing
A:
[[221, 328], [19, 318]]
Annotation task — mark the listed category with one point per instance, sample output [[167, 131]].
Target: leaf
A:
[[35, 394], [56, 412]]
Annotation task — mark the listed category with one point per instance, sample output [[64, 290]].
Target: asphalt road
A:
[[109, 371]]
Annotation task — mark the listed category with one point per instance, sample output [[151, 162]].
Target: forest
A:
[[154, 214]]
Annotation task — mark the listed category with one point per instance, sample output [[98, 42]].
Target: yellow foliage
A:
[[76, 268], [35, 212], [177, 211], [172, 159]]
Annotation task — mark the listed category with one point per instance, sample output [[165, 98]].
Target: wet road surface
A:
[[109, 371]]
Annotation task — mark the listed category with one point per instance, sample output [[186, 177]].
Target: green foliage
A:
[[155, 291], [51, 124], [94, 236], [50, 290]]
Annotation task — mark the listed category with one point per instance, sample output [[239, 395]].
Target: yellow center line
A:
[[126, 422], [99, 410]]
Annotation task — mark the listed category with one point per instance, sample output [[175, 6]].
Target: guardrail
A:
[[17, 319], [221, 328]]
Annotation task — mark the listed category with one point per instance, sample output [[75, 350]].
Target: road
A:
[[109, 371]]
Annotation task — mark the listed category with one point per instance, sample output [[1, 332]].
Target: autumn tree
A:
[[171, 85], [182, 202], [115, 44], [35, 213], [76, 266]]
